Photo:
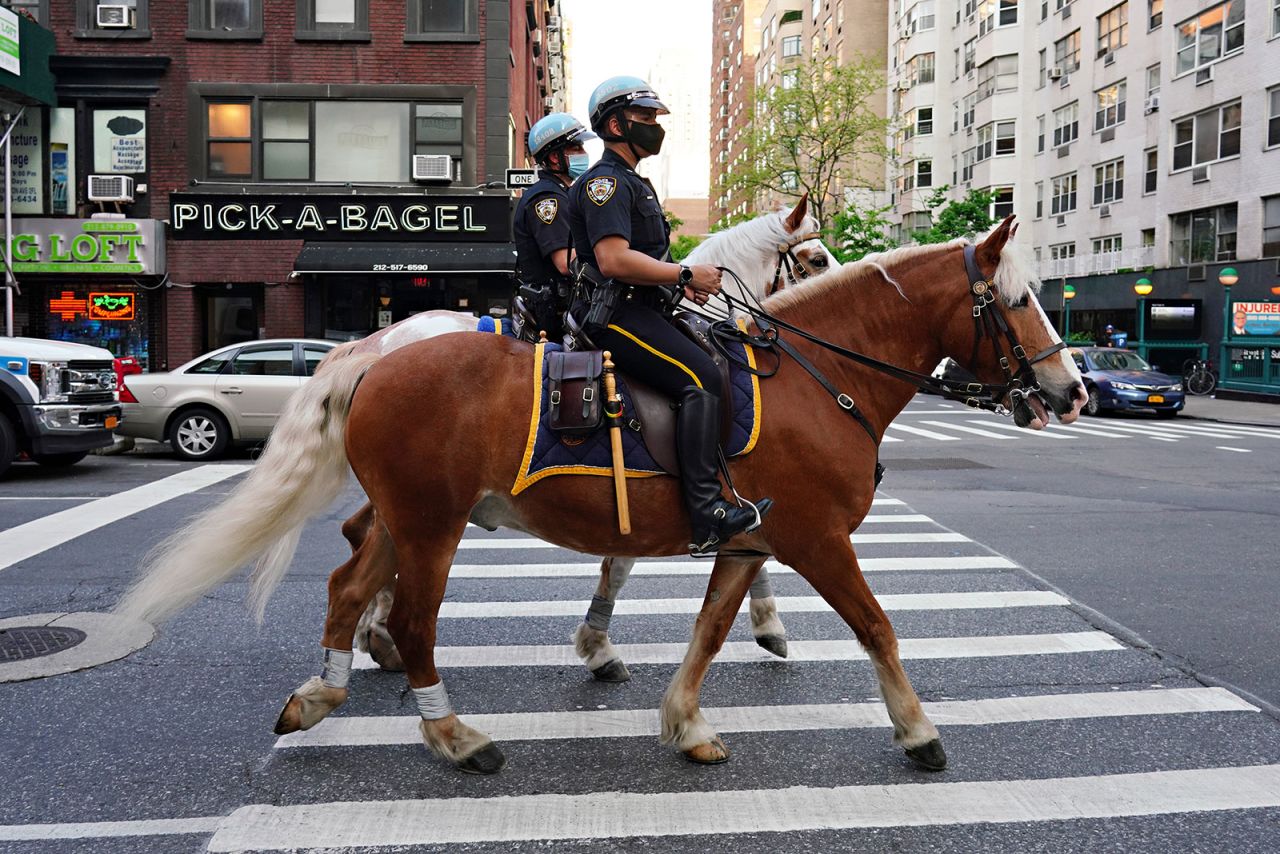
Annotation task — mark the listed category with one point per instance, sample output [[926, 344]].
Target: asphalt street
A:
[[1068, 606]]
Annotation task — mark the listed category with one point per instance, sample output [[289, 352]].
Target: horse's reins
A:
[[797, 270]]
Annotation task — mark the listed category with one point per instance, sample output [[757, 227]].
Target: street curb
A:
[[1225, 421], [1126, 635]]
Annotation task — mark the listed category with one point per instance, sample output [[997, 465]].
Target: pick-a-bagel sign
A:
[[407, 218]]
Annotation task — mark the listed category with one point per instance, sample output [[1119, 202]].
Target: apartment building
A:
[[735, 38], [1139, 138]]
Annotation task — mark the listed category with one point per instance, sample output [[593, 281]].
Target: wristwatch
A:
[[686, 275]]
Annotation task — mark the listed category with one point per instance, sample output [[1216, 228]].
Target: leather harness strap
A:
[[797, 270]]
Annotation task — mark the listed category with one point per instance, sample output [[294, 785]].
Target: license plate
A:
[[1155, 398], [110, 422]]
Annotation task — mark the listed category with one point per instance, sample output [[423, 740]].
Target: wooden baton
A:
[[613, 411]]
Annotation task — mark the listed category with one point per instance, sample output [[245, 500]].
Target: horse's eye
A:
[[819, 261]]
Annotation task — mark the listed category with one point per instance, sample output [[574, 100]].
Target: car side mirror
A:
[[1155, 367]]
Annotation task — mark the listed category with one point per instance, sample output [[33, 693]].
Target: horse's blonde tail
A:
[[300, 473]]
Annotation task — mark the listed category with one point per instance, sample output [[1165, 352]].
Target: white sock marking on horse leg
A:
[[337, 667], [911, 727], [764, 618], [683, 725], [593, 647]]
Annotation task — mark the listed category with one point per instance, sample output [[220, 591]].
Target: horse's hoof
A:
[[309, 705], [775, 644], [290, 719], [382, 649], [487, 760], [709, 753], [611, 671], [930, 756]]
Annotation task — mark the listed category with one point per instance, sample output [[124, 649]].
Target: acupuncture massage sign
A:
[[111, 306]]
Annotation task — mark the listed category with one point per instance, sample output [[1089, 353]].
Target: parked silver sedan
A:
[[231, 395]]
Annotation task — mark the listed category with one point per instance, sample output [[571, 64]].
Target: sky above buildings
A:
[[611, 37]]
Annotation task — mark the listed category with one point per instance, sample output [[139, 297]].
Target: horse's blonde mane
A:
[[1015, 275]]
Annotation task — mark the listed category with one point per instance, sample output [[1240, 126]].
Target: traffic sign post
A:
[[518, 179]]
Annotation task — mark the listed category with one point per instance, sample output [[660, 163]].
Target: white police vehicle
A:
[[58, 400]]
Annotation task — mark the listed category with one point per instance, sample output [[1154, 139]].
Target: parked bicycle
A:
[[1198, 377]]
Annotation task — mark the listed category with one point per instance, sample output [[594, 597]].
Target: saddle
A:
[[576, 392]]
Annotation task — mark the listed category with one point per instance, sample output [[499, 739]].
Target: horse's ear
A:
[[989, 249], [796, 218]]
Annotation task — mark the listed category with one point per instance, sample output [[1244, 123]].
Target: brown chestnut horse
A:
[[448, 450]]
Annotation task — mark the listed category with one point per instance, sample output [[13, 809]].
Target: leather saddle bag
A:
[[574, 390]]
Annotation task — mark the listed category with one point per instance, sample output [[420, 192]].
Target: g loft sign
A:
[[129, 246], [348, 218]]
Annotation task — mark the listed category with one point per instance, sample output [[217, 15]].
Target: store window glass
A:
[[113, 316], [362, 141], [230, 320]]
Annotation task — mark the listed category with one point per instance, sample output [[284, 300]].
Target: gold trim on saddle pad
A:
[[524, 480]]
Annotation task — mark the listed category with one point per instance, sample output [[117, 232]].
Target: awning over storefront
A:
[[25, 48], [408, 258]]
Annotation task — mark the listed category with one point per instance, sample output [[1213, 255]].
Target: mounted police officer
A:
[[622, 240], [542, 225]]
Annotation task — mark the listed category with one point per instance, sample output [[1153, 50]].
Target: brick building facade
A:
[[265, 101]]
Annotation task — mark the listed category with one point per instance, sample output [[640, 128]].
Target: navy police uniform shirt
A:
[[611, 199], [541, 227]]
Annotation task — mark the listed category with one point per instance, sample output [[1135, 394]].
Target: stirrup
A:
[[711, 546]]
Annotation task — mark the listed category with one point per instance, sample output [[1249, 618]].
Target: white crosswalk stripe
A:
[[694, 567], [916, 429]]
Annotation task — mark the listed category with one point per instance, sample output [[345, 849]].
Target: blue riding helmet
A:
[[556, 131], [623, 91]]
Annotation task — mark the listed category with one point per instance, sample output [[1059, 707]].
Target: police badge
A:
[[600, 190], [547, 209]]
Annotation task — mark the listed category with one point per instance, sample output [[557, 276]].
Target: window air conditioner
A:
[[1066, 11], [903, 86], [113, 17], [110, 188], [549, 102], [906, 32], [1199, 174], [432, 167], [1055, 73], [1204, 75], [553, 22], [1105, 210], [1152, 104], [1109, 59]]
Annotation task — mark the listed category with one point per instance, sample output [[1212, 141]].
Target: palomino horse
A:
[[770, 252], [444, 455]]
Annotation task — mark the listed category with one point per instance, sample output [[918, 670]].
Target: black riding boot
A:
[[714, 520]]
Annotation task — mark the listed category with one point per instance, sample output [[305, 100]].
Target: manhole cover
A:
[[23, 642]]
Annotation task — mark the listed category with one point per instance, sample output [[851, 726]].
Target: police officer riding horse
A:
[[630, 288], [542, 227]]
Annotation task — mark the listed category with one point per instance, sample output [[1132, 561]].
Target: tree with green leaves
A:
[[960, 218], [856, 233], [816, 133], [683, 244]]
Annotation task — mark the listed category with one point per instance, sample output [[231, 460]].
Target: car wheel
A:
[[60, 461], [199, 434], [8, 443], [1093, 406], [1166, 413]]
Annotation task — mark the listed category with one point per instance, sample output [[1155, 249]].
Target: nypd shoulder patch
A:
[[547, 209], [601, 190]]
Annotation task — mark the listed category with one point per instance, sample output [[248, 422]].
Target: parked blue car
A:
[[1121, 379]]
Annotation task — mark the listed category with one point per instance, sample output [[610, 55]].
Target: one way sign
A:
[[519, 178]]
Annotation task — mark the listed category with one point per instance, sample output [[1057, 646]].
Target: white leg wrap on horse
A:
[[761, 588], [433, 702], [337, 667], [599, 614]]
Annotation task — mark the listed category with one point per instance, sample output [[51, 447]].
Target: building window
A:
[[1148, 238], [1275, 18], [442, 20], [1066, 53], [224, 19], [970, 53], [136, 24], [1063, 195], [1044, 67], [1150, 173], [790, 46], [1002, 206], [1108, 244], [1108, 182], [970, 102], [1273, 115], [1271, 226], [1109, 106], [1062, 251], [999, 74], [1210, 36], [920, 17], [924, 173], [1039, 134], [229, 139], [333, 19], [995, 139], [1206, 137], [1153, 79], [38, 9], [1155, 13], [993, 13], [1039, 199], [790, 78], [924, 121], [966, 165], [1205, 236], [920, 69], [286, 140], [1066, 124], [1113, 29]]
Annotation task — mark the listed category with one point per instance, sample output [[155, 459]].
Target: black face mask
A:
[[648, 137]]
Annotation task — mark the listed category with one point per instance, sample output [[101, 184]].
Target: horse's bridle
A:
[[797, 270]]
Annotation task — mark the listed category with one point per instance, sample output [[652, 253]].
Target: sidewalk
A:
[[1232, 411]]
